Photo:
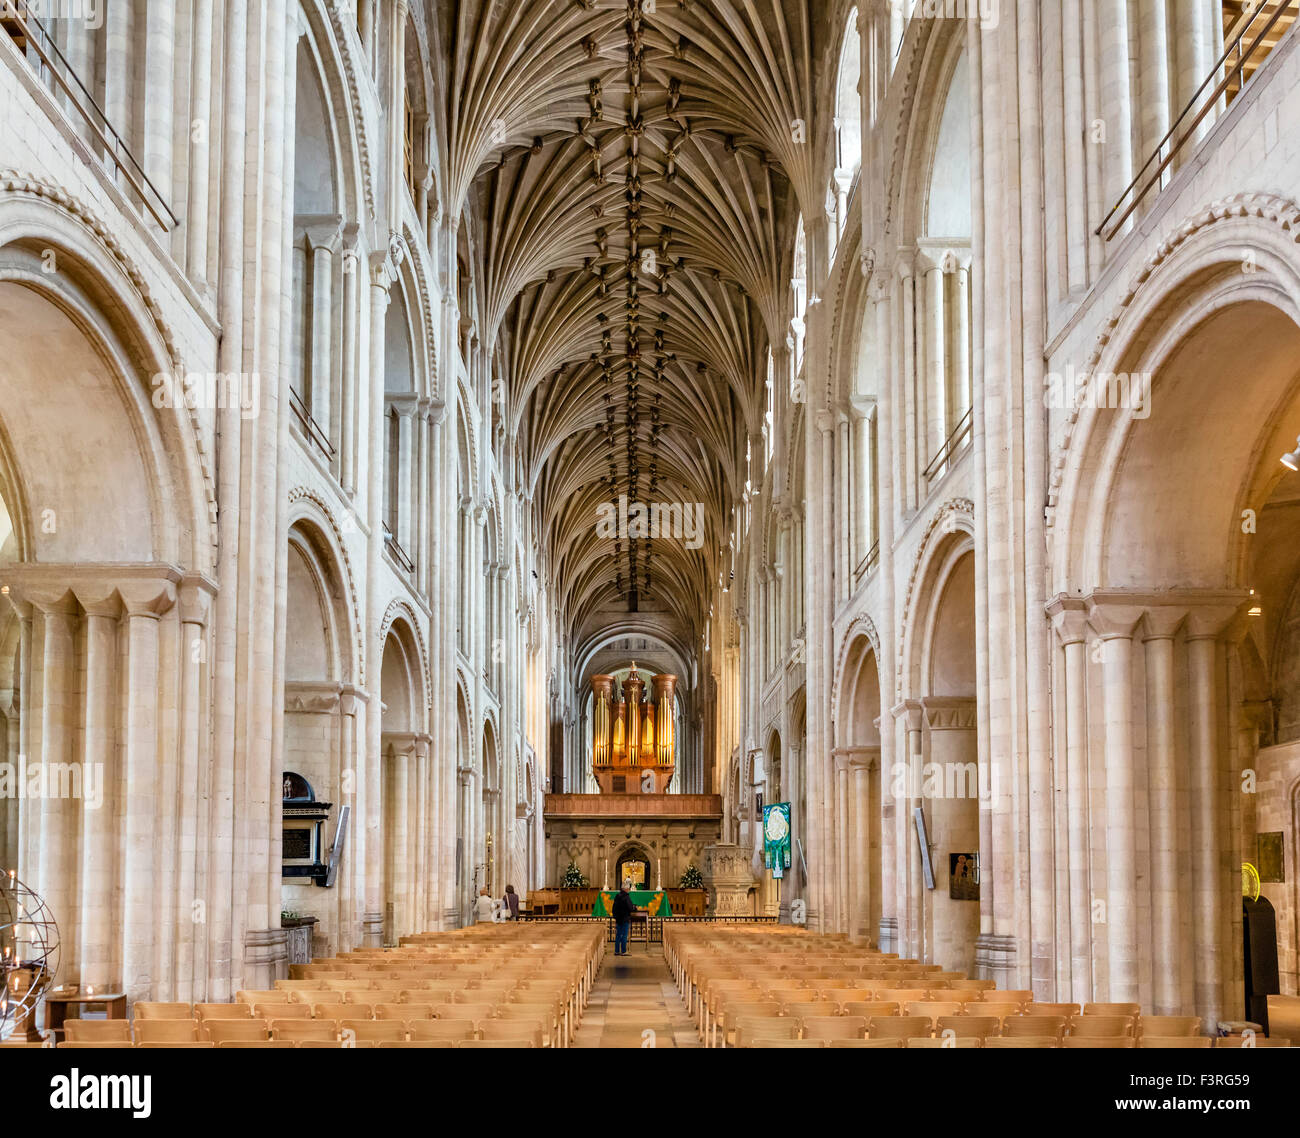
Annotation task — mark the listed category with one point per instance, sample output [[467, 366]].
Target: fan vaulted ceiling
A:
[[630, 172]]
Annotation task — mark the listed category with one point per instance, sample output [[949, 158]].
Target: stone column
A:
[[1205, 627], [194, 602], [1114, 622], [351, 879], [950, 790], [934, 431], [906, 778], [347, 457], [1070, 620], [1161, 625], [144, 602], [840, 815], [1112, 22], [322, 241]]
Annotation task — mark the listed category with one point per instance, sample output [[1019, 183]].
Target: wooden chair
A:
[[1131, 1011], [434, 1030], [1100, 1027], [372, 1029], [511, 1044], [1076, 1042], [403, 1012], [416, 1043], [951, 1041], [871, 1010], [898, 1027], [1248, 1041], [298, 1030], [178, 1043], [536, 1031], [833, 1027], [87, 1045], [1166, 1027], [969, 1026], [1172, 1042], [886, 1043], [236, 1030], [96, 1031], [793, 1043], [147, 1009], [1027, 1026], [811, 1008], [166, 1030], [243, 1043], [1025, 1041], [208, 1012], [765, 1027], [900, 996], [282, 1011], [338, 1011], [1068, 1011], [933, 1010], [254, 996]]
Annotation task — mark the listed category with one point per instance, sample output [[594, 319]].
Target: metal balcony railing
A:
[[52, 68], [865, 566], [311, 428], [950, 448], [1250, 40]]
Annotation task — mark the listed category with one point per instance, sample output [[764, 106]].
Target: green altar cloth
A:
[[656, 904]]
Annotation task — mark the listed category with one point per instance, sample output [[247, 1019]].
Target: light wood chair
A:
[[1131, 1011], [166, 1030], [536, 1031], [969, 1026], [87, 1045], [298, 1030], [749, 1028], [871, 1010], [434, 1030], [237, 1011], [1099, 1026], [898, 1027], [282, 1011], [953, 1041], [1166, 1027], [148, 1009], [1172, 1042], [96, 1031], [885, 1043], [236, 1030], [1027, 1026], [833, 1027], [372, 1029], [1023, 1041], [1103, 1042]]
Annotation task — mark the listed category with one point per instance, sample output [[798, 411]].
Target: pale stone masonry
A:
[[305, 443]]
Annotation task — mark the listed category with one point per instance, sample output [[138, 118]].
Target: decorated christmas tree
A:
[[573, 877], [692, 878]]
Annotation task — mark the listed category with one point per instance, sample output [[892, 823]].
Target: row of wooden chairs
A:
[[283, 1043], [744, 985]]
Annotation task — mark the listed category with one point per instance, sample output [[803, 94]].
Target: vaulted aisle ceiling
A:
[[632, 172]]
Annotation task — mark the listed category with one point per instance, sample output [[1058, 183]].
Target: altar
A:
[[653, 903]]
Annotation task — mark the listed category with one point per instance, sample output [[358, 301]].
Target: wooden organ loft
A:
[[633, 739]]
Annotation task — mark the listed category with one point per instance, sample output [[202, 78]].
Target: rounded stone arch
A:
[[325, 45], [467, 456], [857, 686], [312, 524], [932, 52], [401, 618], [319, 645], [771, 759], [949, 538], [491, 753], [627, 849], [1190, 317], [401, 680], [411, 270], [120, 365]]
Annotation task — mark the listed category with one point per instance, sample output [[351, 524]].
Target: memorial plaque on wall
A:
[[297, 844], [1270, 859], [964, 876]]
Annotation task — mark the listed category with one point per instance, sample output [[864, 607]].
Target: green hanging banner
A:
[[776, 838]]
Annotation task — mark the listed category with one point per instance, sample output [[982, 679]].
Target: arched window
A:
[[799, 285], [848, 100]]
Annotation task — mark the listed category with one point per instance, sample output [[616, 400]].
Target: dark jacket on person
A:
[[623, 908]]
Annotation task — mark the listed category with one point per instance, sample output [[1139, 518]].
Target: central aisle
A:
[[634, 994]]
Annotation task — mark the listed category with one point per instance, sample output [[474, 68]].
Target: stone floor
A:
[[634, 995]]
